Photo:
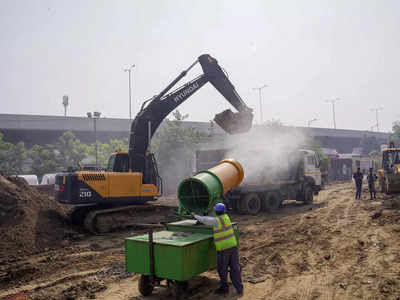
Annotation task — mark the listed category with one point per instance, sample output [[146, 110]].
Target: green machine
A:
[[185, 248]]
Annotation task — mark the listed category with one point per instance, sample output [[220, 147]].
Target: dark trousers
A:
[[372, 190], [358, 190], [229, 258]]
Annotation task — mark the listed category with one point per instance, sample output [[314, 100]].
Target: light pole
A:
[[65, 104], [95, 116], [259, 89], [310, 121], [130, 90], [376, 116], [333, 110]]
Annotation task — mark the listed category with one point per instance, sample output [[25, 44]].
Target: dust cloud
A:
[[175, 165], [266, 153]]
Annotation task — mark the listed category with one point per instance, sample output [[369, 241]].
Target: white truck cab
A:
[[312, 167]]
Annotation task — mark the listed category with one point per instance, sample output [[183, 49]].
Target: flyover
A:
[[42, 130]]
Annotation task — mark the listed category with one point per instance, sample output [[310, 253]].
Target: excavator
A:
[[132, 179], [389, 174]]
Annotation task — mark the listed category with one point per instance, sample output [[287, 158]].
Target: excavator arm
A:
[[156, 109]]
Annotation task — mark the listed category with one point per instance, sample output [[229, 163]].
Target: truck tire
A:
[[250, 204], [300, 196], [145, 285], [272, 201], [308, 195]]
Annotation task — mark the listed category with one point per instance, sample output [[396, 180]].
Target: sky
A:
[[306, 52]]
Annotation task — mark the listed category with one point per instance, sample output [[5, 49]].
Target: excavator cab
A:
[[389, 175], [391, 160], [118, 162]]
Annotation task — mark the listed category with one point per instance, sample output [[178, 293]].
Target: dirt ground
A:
[[336, 248], [30, 221]]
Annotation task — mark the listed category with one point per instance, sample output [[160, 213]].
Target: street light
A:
[[310, 121], [259, 89], [94, 116], [65, 104], [130, 90], [376, 116], [333, 110]]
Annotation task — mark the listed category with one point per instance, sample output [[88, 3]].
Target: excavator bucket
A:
[[234, 123]]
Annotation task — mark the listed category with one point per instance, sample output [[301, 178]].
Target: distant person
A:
[[358, 179], [227, 251], [371, 183]]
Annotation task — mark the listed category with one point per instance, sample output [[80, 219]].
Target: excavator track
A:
[[97, 220]]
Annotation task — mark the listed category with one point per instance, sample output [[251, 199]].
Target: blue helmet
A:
[[219, 207]]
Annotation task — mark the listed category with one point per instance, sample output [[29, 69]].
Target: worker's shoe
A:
[[221, 291], [240, 294]]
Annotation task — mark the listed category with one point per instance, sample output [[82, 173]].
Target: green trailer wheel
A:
[[180, 288], [145, 285]]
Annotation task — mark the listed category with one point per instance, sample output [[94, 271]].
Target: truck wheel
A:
[[145, 285], [251, 204], [272, 201], [308, 195], [236, 205]]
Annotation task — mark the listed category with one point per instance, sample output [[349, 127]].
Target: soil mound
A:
[[29, 220]]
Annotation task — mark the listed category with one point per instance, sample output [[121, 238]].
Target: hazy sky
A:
[[305, 51]]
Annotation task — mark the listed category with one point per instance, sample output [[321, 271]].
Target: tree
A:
[[18, 158], [12, 157], [104, 150], [43, 160], [396, 133], [69, 150]]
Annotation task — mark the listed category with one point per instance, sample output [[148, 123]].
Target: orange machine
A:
[[389, 174]]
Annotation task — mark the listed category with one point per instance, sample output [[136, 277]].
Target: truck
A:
[[132, 178], [295, 175]]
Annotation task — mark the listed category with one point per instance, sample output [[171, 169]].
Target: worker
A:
[[358, 179], [227, 251], [371, 183]]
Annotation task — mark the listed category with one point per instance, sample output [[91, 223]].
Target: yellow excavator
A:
[[389, 174], [131, 179]]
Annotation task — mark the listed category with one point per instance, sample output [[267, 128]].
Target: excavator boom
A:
[[155, 110]]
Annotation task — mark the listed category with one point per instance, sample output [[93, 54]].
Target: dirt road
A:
[[337, 248]]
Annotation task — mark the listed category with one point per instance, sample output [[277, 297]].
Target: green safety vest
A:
[[224, 236]]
